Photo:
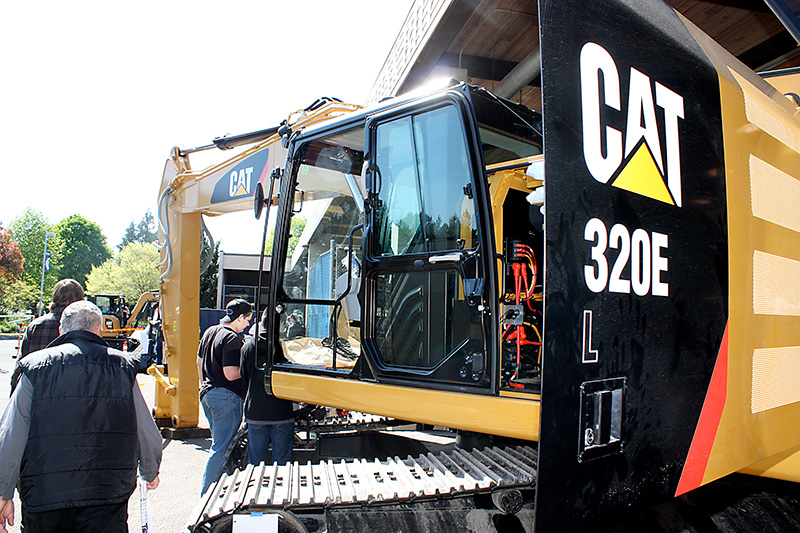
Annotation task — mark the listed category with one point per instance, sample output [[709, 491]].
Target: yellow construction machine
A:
[[120, 322], [600, 299]]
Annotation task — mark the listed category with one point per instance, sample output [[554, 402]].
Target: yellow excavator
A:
[[120, 322], [601, 299]]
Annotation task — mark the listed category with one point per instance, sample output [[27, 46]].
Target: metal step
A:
[[360, 482]]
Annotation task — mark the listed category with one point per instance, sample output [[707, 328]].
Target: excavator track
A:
[[361, 482], [349, 421]]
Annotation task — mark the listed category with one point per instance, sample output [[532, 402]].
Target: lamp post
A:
[[45, 267]]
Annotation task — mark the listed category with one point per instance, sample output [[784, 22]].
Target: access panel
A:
[[636, 255]]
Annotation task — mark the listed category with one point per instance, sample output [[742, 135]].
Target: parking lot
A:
[[181, 466]]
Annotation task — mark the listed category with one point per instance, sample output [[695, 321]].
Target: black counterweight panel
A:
[[636, 255]]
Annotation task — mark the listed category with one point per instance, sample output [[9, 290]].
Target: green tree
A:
[[208, 279], [296, 230], [131, 273], [29, 230], [18, 296], [82, 246]]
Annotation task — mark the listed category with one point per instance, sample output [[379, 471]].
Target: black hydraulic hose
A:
[[228, 142], [319, 102]]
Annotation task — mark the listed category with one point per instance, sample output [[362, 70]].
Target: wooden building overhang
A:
[[482, 41]]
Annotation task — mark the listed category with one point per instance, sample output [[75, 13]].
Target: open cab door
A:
[[666, 359]]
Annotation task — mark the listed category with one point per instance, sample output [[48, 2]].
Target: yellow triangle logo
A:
[[240, 191], [640, 175]]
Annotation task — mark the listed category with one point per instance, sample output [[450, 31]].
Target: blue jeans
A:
[[258, 437], [223, 409]]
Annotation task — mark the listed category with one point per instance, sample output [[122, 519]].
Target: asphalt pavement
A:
[[182, 464]]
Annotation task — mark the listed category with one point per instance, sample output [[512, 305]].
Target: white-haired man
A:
[[74, 432]]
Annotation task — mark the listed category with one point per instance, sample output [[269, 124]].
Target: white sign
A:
[[255, 523]]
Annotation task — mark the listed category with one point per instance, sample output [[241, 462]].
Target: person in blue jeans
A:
[[222, 389], [269, 419]]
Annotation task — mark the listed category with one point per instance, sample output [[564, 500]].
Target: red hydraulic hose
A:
[[518, 288]]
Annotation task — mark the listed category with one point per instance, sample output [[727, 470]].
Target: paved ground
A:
[[181, 466]]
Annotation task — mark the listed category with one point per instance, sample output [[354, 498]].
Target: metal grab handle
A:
[[349, 263], [302, 200], [446, 258]]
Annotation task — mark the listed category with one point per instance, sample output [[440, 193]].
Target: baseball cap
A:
[[235, 309]]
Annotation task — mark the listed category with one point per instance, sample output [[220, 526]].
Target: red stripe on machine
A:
[[696, 462]]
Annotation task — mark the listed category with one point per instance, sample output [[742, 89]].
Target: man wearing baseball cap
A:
[[222, 389]]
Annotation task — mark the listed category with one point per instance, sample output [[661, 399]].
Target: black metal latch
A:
[[601, 418]]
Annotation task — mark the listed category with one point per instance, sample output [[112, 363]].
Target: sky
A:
[[94, 94]]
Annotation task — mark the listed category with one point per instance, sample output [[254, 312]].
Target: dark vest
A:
[[82, 447]]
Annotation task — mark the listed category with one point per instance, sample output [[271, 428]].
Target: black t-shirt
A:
[[220, 347], [259, 405]]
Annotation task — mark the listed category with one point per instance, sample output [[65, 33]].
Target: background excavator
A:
[[599, 299], [120, 323]]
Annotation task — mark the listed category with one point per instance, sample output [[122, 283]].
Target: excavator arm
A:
[[185, 197]]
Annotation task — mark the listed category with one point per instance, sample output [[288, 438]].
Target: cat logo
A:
[[239, 182], [640, 167]]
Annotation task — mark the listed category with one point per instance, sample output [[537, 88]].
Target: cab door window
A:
[[424, 251], [423, 186]]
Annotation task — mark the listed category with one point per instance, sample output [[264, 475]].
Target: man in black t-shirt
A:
[[222, 388]]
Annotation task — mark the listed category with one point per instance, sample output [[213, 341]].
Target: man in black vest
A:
[[74, 431]]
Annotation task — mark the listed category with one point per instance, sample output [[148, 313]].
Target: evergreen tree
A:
[[144, 231], [146, 228], [209, 278], [129, 237]]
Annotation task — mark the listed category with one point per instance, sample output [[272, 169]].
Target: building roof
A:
[[481, 41]]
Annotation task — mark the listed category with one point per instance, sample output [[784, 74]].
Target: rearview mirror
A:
[[258, 200]]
